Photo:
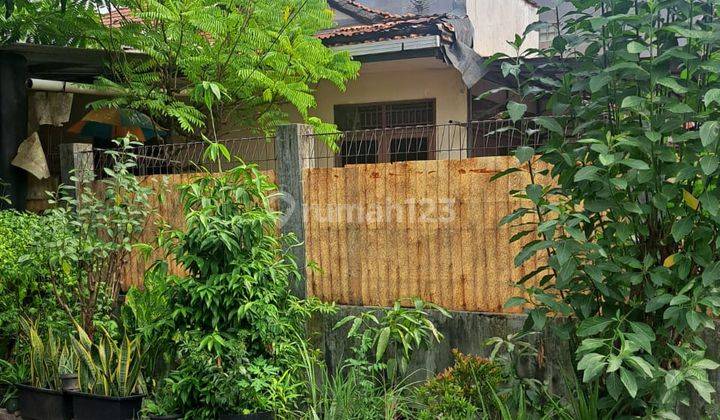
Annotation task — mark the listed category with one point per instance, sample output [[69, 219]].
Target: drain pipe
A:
[[68, 87]]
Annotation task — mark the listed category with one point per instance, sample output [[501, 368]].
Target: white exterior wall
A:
[[497, 21]]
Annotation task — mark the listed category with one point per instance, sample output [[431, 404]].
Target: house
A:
[[419, 69]]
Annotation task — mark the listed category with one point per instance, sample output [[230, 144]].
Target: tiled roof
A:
[[382, 25], [361, 12], [405, 27], [115, 18]]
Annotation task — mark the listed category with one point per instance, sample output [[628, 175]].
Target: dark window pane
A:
[[411, 113], [408, 149], [358, 117]]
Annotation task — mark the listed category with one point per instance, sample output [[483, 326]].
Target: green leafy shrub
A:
[[105, 220], [385, 339], [623, 202], [237, 325], [147, 315], [470, 382], [444, 400], [162, 402], [10, 374], [24, 291], [352, 392]]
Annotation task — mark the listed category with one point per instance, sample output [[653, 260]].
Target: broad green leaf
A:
[[516, 110], [628, 379], [681, 228], [524, 154], [587, 173], [599, 81], [530, 250], [589, 360], [709, 132], [706, 364], [549, 123], [703, 388], [680, 108], [642, 364], [614, 386], [593, 371], [592, 326], [711, 96], [673, 378], [693, 320], [635, 164], [514, 301], [634, 47], [679, 300], [673, 85], [658, 302], [709, 164], [383, 339], [539, 319], [633, 102], [534, 192], [711, 274]]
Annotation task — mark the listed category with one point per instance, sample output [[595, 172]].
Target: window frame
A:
[[388, 133]]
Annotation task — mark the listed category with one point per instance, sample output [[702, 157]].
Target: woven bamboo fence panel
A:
[[379, 232], [169, 210]]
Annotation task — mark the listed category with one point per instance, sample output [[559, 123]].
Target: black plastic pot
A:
[[42, 404], [253, 416], [168, 417], [93, 407], [70, 382], [11, 405]]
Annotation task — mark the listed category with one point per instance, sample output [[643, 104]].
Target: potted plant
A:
[[42, 398], [162, 405], [108, 375], [68, 370], [11, 374]]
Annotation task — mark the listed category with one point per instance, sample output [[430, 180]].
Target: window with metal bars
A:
[[386, 132]]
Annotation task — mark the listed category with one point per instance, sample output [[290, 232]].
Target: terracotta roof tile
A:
[[116, 18]]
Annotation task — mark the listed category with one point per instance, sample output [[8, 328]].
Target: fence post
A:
[[294, 150], [76, 159]]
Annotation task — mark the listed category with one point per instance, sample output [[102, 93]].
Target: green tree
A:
[[211, 67], [96, 226], [49, 22], [623, 198]]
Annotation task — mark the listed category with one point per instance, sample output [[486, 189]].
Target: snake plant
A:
[[107, 368], [44, 358]]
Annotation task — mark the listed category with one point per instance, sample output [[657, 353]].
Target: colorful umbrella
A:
[[111, 123]]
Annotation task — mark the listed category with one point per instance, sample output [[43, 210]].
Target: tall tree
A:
[[209, 67]]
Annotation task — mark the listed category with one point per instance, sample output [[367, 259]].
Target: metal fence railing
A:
[[179, 158], [424, 142], [396, 144]]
